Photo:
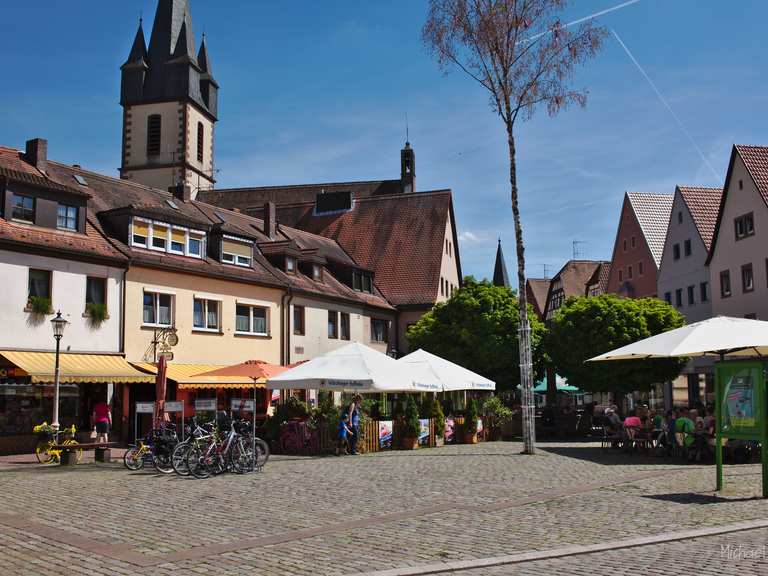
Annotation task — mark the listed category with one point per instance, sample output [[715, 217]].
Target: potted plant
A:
[[411, 426], [495, 415], [469, 429], [436, 413], [96, 312], [39, 305]]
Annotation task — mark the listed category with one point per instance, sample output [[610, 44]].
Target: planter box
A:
[[408, 443], [439, 441], [469, 438]]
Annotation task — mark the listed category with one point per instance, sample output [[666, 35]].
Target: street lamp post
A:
[[58, 324]]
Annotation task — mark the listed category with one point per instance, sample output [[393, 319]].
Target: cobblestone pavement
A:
[[359, 514]]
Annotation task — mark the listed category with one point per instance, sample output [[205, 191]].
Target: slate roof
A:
[[703, 204], [500, 276], [652, 212]]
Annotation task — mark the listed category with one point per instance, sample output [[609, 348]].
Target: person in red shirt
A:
[[102, 421]]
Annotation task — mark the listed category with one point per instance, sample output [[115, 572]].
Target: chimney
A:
[[37, 153], [182, 192], [270, 220]]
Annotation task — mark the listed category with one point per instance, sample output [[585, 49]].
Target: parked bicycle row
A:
[[208, 449]]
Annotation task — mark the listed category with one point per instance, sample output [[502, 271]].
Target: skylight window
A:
[[80, 180], [172, 204], [333, 202]]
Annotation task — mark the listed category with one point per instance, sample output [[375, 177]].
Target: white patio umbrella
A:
[[451, 375], [353, 367], [720, 336]]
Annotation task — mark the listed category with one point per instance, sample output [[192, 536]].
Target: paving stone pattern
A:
[[328, 516]]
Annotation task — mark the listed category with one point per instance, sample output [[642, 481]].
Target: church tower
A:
[[170, 105], [407, 169], [500, 276]]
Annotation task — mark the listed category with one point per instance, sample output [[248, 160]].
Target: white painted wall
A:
[[688, 270], [20, 329], [449, 268], [731, 254]]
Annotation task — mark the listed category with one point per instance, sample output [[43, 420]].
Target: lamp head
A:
[[58, 323]]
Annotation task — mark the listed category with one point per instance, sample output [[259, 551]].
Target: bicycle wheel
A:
[[179, 459], [196, 462], [134, 458], [262, 452], [78, 453], [43, 452], [163, 463], [241, 457]]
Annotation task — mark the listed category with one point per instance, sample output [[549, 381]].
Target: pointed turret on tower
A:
[[170, 103], [500, 276]]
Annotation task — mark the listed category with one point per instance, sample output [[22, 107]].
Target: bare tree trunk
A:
[[524, 341]]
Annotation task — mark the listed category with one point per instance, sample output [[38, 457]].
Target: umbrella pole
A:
[[718, 428], [253, 439]]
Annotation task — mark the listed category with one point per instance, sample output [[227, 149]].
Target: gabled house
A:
[[738, 259], [598, 283], [683, 278], [536, 290], [639, 244], [571, 280]]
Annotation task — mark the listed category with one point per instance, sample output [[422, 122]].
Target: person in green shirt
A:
[[685, 426]]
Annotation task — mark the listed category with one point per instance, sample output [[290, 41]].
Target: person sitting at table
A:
[[632, 421], [613, 421], [684, 429]]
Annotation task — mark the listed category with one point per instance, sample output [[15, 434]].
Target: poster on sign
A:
[[241, 405], [205, 404], [479, 427], [385, 434], [448, 434], [424, 431]]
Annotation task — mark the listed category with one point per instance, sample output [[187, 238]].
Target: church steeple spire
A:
[[134, 69], [500, 276]]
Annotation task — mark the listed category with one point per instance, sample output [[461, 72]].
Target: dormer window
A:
[[357, 281], [163, 237], [367, 284], [333, 202], [317, 272], [66, 217], [236, 251], [23, 208], [290, 265]]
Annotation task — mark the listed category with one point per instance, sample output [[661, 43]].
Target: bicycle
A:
[[156, 447], [48, 438], [196, 435], [220, 454]]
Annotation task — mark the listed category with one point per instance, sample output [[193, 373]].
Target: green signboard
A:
[[740, 407]]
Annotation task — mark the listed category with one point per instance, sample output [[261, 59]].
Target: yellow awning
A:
[[187, 376], [75, 368]]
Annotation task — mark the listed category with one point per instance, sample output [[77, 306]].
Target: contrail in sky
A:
[[585, 18], [666, 104]]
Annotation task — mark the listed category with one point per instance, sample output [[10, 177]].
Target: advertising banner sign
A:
[[385, 434], [175, 406], [241, 405], [449, 426], [145, 407], [205, 404], [424, 431]]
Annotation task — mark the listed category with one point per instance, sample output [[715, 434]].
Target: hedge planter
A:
[[408, 443], [439, 441]]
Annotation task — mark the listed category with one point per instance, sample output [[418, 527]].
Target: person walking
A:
[[101, 419], [354, 423], [343, 436]]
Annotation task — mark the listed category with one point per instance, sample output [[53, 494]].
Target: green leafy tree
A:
[[411, 425], [436, 413], [477, 329], [587, 327]]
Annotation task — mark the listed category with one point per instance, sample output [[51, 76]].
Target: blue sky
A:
[[318, 92]]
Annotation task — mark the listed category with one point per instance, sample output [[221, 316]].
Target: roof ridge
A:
[[106, 176], [305, 185]]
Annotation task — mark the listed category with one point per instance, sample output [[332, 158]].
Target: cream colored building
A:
[[204, 313]]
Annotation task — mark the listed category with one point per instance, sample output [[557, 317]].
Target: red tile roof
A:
[[756, 160], [703, 204], [599, 279], [399, 236], [652, 211], [536, 291]]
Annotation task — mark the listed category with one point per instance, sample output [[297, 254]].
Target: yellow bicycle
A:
[[45, 451], [134, 457]]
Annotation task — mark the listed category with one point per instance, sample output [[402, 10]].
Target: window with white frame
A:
[[158, 309], [251, 320], [66, 217], [205, 314], [236, 251], [164, 237]]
